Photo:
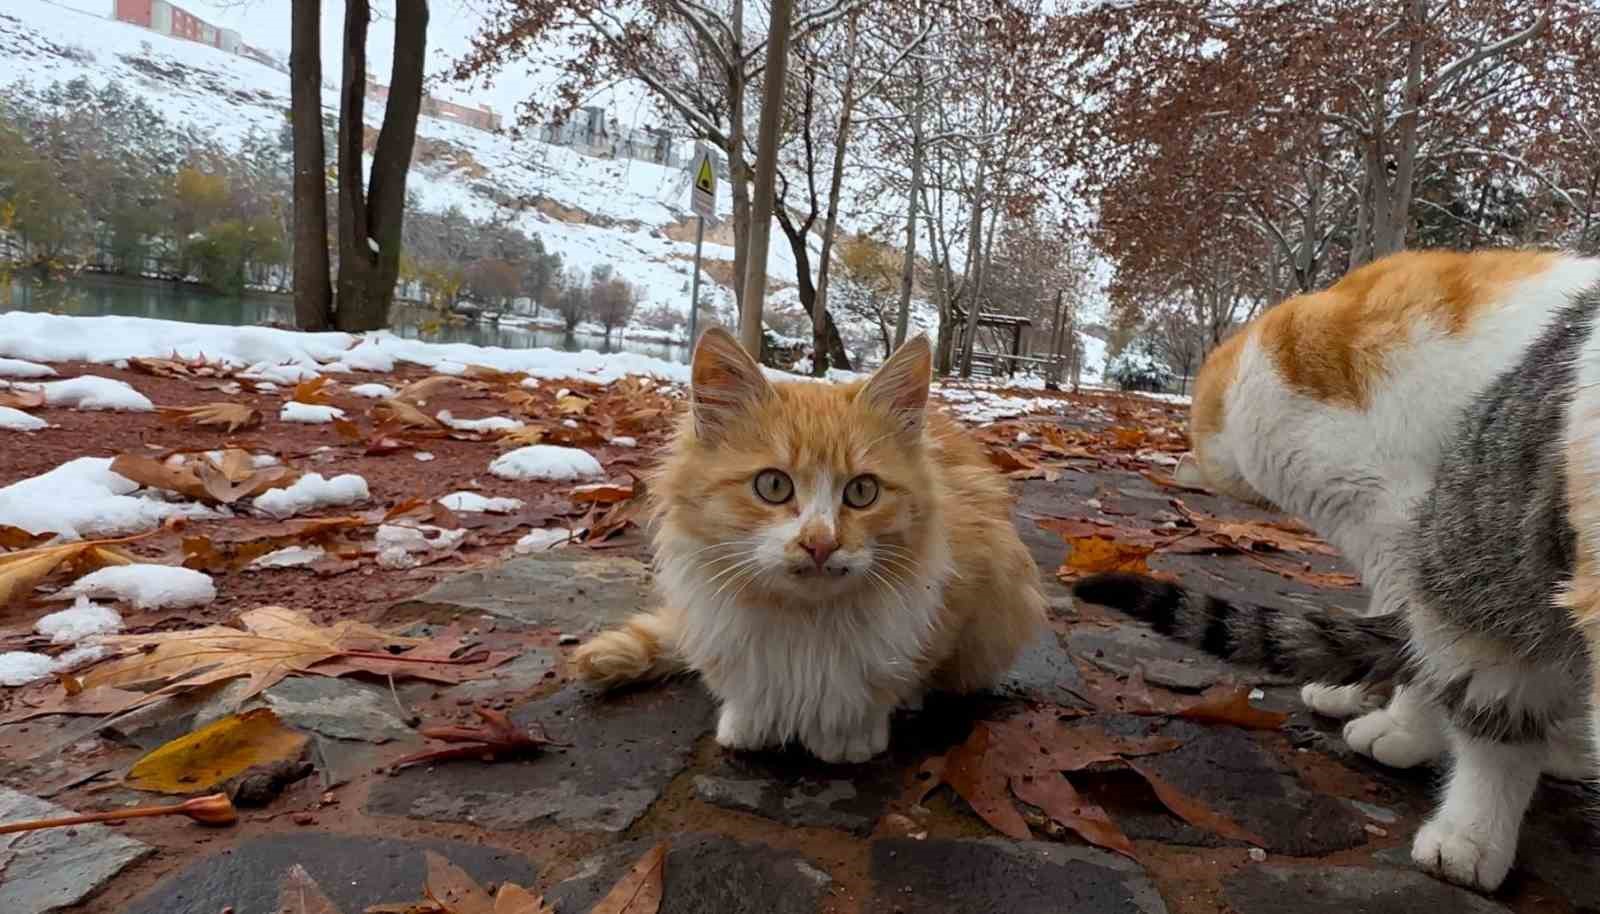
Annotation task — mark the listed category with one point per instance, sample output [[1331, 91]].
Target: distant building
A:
[[483, 118], [164, 18]]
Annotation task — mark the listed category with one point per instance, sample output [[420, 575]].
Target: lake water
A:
[[101, 295]]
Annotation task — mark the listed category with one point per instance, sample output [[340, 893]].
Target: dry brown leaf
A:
[[426, 389], [639, 891], [274, 643], [522, 437], [604, 493], [514, 899], [497, 739], [1097, 553], [451, 888], [230, 417], [170, 476], [401, 414], [1230, 704], [572, 405], [74, 700], [21, 398], [311, 391], [22, 571], [1193, 811], [18, 538]]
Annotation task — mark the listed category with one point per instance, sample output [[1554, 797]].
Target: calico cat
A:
[[1335, 406], [825, 553], [1498, 621]]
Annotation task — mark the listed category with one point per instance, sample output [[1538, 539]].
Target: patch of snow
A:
[[15, 420], [17, 368], [373, 391], [422, 456], [396, 543], [454, 369], [95, 393], [541, 540], [473, 503], [570, 423], [83, 620], [530, 383], [396, 558], [278, 374], [266, 387], [490, 424], [368, 356], [306, 413], [147, 586], [290, 557], [312, 492], [78, 656], [83, 498], [625, 441], [22, 667], [548, 462]]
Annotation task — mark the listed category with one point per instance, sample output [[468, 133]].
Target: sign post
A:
[[703, 201]]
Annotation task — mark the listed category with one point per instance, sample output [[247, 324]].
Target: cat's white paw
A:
[[856, 745], [1337, 702], [738, 729], [1386, 738], [1467, 854]]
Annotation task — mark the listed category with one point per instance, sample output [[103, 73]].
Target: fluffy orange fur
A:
[[939, 532]]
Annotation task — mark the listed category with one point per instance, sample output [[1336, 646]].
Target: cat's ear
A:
[[900, 387], [724, 381]]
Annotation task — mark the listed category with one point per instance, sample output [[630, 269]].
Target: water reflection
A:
[[89, 296]]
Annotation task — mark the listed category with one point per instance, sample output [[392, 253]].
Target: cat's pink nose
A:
[[820, 549]]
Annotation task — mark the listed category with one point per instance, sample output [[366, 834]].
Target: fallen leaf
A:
[[639, 891], [298, 893], [514, 899], [21, 571], [1321, 578], [1098, 553], [218, 485], [426, 389], [451, 888], [311, 391], [1193, 811], [522, 437], [18, 538], [275, 642], [205, 758], [348, 430], [1059, 800], [1009, 460], [230, 417], [74, 700], [605, 493], [21, 398], [1230, 704], [496, 740], [1129, 438], [572, 405], [169, 476], [399, 413]]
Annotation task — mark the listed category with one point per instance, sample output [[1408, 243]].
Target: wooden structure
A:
[[1007, 332]]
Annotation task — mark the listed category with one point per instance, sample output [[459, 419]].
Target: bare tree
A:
[[313, 291]]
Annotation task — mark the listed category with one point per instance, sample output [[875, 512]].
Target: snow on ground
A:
[[490, 424], [398, 544], [15, 420], [290, 557], [309, 414], [147, 586], [22, 667], [624, 441], [548, 462], [16, 368], [540, 540], [473, 503], [96, 393], [83, 620], [312, 492], [373, 391], [82, 499]]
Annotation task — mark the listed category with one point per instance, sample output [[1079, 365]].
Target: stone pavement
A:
[[778, 833]]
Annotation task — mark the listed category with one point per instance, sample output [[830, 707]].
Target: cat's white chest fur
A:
[[828, 676]]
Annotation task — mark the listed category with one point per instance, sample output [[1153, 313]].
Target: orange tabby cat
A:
[[826, 553]]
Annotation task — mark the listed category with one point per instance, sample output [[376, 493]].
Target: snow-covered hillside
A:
[[629, 214]]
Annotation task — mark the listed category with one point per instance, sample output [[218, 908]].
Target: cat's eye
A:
[[774, 486], [861, 492]]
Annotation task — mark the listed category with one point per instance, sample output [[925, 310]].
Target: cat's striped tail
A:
[[1334, 648], [638, 650]]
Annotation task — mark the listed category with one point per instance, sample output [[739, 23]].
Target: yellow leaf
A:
[[572, 404], [22, 571], [311, 392], [205, 758], [1096, 553], [639, 891], [228, 416]]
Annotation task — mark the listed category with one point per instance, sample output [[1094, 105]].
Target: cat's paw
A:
[[1389, 740], [1464, 853], [614, 657], [1337, 702], [856, 745], [738, 729]]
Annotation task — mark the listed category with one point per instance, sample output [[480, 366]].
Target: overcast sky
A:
[[451, 25]]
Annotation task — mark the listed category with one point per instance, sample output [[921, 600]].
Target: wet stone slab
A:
[[1045, 673], [1226, 769], [355, 873], [623, 750], [1166, 663], [338, 708], [704, 873], [520, 675], [991, 875], [574, 590], [1344, 889], [51, 869]]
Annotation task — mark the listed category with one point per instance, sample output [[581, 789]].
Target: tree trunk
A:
[[974, 267], [753, 303], [370, 223], [830, 223], [832, 345], [738, 170], [313, 291], [908, 266]]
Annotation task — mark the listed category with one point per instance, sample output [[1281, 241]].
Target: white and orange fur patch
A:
[[1334, 406], [930, 586]]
